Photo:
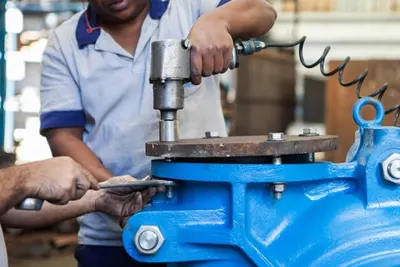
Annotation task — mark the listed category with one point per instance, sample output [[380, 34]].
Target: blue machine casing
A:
[[330, 214]]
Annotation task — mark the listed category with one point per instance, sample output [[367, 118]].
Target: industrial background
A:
[[270, 92]]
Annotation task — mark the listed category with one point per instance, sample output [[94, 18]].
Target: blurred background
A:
[[270, 92]]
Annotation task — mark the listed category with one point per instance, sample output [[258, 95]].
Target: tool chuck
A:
[[170, 70]]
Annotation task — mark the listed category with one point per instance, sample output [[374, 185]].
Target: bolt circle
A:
[[148, 240]]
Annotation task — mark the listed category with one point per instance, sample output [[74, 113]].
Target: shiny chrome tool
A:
[[140, 185]]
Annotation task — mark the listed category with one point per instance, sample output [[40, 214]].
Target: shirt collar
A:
[[88, 28]]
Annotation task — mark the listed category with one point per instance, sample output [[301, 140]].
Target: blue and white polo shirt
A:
[[90, 81]]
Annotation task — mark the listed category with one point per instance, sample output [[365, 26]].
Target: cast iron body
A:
[[223, 214]]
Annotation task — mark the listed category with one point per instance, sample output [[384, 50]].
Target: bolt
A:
[[307, 132], [311, 157], [148, 239], [212, 135], [391, 168], [277, 160], [276, 136], [394, 169], [278, 189], [169, 193]]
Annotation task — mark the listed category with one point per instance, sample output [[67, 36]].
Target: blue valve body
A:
[[330, 214]]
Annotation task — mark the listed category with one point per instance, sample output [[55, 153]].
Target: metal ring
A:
[[360, 104]]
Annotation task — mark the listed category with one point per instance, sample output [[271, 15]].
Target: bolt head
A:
[[278, 188], [276, 136], [148, 239], [394, 169], [391, 168]]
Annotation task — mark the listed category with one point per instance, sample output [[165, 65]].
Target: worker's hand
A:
[[57, 180], [212, 47], [122, 202]]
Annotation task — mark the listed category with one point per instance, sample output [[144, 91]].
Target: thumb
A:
[[94, 184]]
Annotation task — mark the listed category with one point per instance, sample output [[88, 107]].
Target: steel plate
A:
[[241, 146]]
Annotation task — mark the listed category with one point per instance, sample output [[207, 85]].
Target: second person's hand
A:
[[58, 180], [121, 202]]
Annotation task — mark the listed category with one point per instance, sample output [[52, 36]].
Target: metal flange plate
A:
[[241, 146]]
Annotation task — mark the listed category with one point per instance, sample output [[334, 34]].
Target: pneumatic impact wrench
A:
[[170, 70]]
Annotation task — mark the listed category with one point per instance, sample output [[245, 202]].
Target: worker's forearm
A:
[[64, 143], [246, 18], [12, 187], [49, 214]]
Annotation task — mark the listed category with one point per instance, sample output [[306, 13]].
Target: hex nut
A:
[[276, 136], [279, 188], [153, 229], [386, 165], [307, 132]]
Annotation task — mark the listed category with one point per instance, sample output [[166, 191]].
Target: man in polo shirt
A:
[[97, 103]]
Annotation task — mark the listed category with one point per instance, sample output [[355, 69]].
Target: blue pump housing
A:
[[330, 214]]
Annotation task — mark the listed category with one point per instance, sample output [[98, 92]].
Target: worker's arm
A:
[[244, 18], [49, 214], [62, 115], [68, 142], [115, 202], [12, 190], [213, 33]]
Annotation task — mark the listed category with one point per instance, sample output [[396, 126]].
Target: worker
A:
[[64, 182], [97, 103]]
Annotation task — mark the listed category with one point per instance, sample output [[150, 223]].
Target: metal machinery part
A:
[[30, 204], [243, 146], [139, 185], [170, 70], [278, 209], [264, 201], [149, 239]]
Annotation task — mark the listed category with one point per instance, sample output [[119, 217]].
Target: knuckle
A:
[[226, 49], [210, 49]]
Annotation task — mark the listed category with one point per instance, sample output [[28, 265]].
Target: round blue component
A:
[[380, 112]]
